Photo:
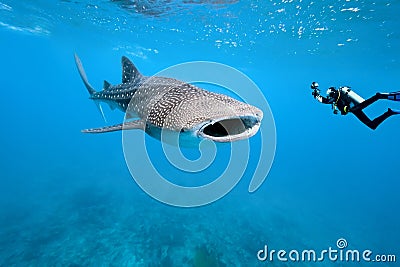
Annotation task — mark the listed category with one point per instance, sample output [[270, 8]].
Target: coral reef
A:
[[205, 257]]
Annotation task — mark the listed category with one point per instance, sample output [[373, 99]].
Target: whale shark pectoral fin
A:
[[137, 124]]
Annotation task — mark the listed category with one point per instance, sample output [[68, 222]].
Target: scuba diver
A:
[[346, 101]]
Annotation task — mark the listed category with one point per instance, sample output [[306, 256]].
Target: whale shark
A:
[[155, 104]]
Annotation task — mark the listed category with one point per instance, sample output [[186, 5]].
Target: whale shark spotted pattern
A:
[[160, 103]]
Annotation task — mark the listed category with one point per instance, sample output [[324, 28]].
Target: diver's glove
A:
[[316, 93]]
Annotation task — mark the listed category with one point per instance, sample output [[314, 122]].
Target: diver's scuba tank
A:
[[356, 99]]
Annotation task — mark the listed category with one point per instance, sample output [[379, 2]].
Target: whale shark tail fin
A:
[[83, 75], [87, 84]]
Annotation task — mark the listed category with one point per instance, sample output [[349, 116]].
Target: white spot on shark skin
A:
[[173, 105]]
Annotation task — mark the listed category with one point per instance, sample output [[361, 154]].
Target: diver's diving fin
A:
[[395, 111], [394, 96], [137, 124]]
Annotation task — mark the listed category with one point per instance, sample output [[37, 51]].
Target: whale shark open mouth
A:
[[231, 128]]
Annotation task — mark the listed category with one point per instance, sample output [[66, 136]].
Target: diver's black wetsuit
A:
[[345, 104], [339, 101]]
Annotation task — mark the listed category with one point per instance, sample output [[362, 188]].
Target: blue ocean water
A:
[[68, 199]]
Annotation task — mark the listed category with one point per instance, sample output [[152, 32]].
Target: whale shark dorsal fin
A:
[[130, 73], [106, 85]]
